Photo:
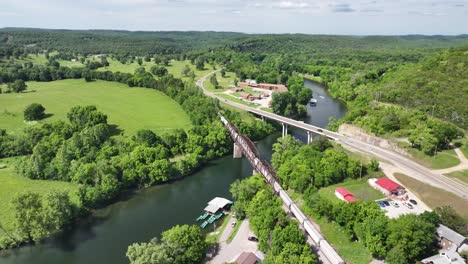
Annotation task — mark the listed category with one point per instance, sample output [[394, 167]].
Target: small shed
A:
[[345, 195], [247, 258]]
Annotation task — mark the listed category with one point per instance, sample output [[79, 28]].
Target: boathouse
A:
[[218, 204]]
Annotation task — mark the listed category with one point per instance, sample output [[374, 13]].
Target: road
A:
[[412, 168], [229, 252]]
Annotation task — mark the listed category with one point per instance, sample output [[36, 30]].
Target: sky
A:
[[344, 17]]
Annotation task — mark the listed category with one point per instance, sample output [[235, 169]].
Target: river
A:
[[146, 213]]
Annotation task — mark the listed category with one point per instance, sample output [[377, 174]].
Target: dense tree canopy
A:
[[179, 245]]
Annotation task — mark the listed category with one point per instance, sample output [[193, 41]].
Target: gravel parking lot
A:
[[394, 212]]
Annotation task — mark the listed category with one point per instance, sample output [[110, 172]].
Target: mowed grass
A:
[[442, 160], [12, 184], [359, 188], [459, 175], [175, 68], [224, 82], [130, 109], [434, 197]]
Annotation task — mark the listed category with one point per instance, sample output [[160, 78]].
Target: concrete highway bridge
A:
[[412, 168]]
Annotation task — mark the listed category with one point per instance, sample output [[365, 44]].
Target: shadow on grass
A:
[[29, 91], [47, 115], [115, 130]]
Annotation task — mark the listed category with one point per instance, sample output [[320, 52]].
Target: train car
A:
[[330, 253], [285, 198], [299, 215], [312, 232], [277, 187]]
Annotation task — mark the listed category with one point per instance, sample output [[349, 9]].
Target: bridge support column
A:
[[285, 129], [237, 151], [309, 137], [263, 118]]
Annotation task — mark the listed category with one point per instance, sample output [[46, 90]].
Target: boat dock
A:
[[214, 211]]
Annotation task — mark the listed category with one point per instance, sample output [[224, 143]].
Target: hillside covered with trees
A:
[[438, 86]]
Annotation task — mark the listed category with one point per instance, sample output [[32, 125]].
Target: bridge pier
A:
[[237, 153], [309, 137], [285, 129]]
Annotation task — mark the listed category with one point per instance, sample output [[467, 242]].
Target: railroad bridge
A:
[[243, 145]]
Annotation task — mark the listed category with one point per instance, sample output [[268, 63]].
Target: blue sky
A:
[[351, 17]]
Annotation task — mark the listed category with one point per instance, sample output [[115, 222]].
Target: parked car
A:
[[395, 204], [381, 204], [413, 201], [252, 238], [407, 205], [386, 203]]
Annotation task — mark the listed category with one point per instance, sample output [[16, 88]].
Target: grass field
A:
[[237, 100], [359, 188], [434, 197], [443, 159], [174, 68], [459, 175], [224, 83], [128, 108], [11, 184]]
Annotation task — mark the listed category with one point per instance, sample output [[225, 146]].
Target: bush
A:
[[34, 111]]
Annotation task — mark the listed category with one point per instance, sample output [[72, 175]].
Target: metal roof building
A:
[[345, 195], [218, 203]]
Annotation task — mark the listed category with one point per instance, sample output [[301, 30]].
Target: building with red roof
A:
[[345, 195], [389, 187]]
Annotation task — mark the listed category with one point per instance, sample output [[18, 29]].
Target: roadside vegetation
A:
[[459, 175], [434, 197]]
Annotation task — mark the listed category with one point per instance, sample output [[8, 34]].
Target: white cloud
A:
[[291, 5]]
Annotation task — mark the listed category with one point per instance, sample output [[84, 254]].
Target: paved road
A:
[[414, 169], [229, 252]]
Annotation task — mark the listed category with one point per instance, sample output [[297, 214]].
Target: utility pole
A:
[[360, 173]]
